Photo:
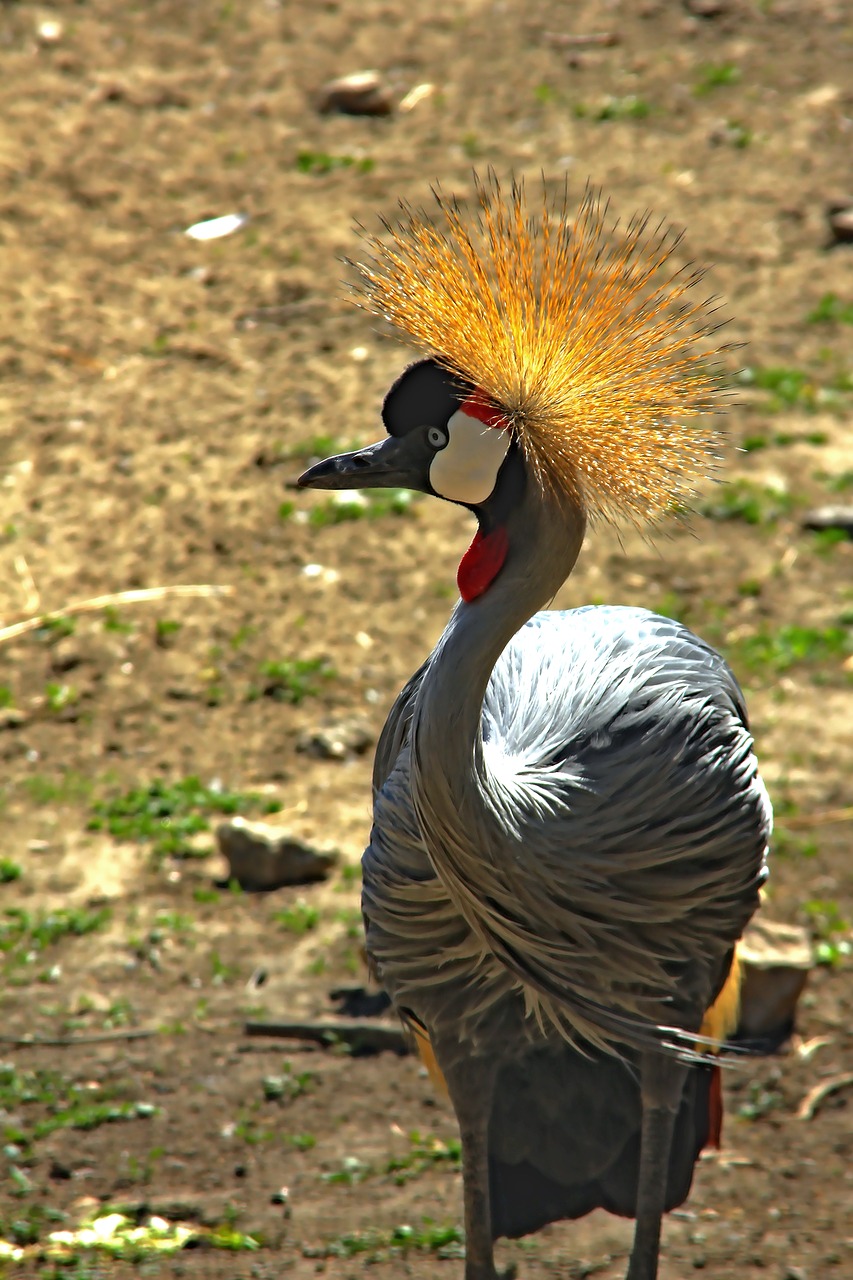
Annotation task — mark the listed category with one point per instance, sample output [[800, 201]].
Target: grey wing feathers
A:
[[629, 824]]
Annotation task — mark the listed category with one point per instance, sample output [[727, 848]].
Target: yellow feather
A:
[[591, 341]]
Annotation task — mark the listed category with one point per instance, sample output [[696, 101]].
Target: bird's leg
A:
[[470, 1083], [661, 1085]]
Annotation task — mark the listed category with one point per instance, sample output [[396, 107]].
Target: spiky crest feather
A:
[[590, 341]]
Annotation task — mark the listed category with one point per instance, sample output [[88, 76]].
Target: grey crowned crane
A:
[[570, 831]]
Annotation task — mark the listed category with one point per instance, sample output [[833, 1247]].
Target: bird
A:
[[570, 831]]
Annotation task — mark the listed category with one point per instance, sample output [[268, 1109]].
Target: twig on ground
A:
[[93, 605], [68, 1042], [363, 1035], [813, 1099], [31, 591]]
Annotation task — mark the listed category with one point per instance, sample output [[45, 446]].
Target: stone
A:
[[777, 959], [363, 93], [261, 856]]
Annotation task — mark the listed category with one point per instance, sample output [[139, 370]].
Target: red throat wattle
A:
[[482, 563]]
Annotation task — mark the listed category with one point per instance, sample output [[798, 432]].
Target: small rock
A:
[[336, 742], [11, 718], [361, 94], [830, 518], [777, 959], [840, 217], [263, 857]]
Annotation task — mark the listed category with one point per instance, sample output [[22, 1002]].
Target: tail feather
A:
[[564, 1138]]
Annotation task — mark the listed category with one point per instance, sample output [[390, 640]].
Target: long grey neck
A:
[[450, 786]]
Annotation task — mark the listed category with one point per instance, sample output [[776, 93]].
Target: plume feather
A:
[[590, 339]]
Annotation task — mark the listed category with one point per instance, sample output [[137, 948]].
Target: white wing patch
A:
[[466, 469]]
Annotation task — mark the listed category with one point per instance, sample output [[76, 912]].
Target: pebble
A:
[[834, 517], [339, 741], [363, 93], [840, 217]]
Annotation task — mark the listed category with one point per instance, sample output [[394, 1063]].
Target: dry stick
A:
[[68, 1042], [823, 818], [361, 1034], [203, 590], [820, 1092]]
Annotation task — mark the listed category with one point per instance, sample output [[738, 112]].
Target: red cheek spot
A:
[[482, 563], [478, 407]]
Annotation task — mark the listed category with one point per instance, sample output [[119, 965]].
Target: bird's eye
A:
[[437, 438]]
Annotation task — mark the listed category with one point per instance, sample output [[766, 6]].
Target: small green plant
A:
[[57, 627], [113, 621], [293, 680], [764, 1098], [425, 1151], [832, 932], [715, 75], [298, 918], [58, 696], [629, 107], [351, 1172], [831, 310], [7, 698], [167, 815], [288, 1085], [166, 630], [302, 1141], [322, 162], [9, 871]]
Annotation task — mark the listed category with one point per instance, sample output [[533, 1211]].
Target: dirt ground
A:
[[157, 394]]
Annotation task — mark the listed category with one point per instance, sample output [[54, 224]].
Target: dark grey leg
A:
[[661, 1083], [470, 1085]]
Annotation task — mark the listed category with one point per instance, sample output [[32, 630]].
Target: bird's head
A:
[[446, 439], [563, 357]]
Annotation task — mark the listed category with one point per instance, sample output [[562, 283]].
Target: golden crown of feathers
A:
[[590, 340]]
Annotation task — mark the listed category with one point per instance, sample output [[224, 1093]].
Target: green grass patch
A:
[[168, 815], [790, 646], [789, 388], [9, 871], [430, 1237], [831, 310], [364, 504], [750, 503], [628, 107], [25, 935], [322, 162], [292, 680], [715, 75], [299, 918]]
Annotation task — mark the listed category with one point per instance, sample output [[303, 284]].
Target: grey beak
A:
[[379, 466]]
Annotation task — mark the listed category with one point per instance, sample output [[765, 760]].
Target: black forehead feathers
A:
[[424, 394]]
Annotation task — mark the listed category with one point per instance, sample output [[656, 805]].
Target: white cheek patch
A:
[[466, 469]]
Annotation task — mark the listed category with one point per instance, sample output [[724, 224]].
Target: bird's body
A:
[[569, 828], [615, 754]]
